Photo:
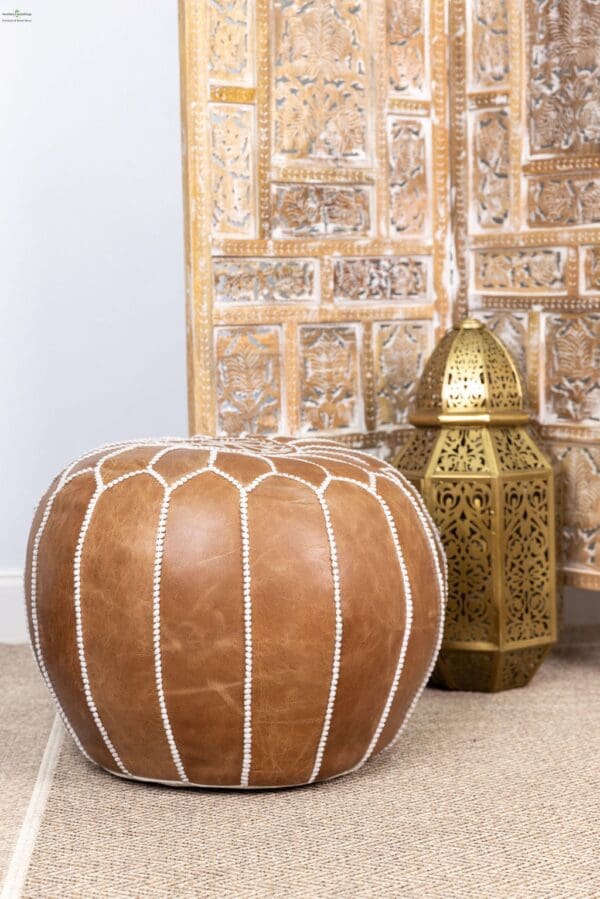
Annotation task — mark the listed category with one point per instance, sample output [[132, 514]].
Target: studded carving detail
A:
[[230, 40], [559, 202], [592, 268], [316, 157], [315, 211]]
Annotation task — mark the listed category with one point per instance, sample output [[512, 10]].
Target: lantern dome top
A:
[[470, 378]]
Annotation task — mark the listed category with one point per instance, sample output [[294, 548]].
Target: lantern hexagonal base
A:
[[487, 671]]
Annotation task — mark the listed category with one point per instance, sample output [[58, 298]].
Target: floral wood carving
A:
[[329, 378], [265, 280], [232, 141], [408, 176], [301, 210], [316, 157], [320, 95], [406, 47], [556, 202], [491, 185], [520, 269], [385, 279], [581, 528], [564, 100], [592, 268], [573, 367], [489, 23], [400, 352], [248, 380], [230, 36]]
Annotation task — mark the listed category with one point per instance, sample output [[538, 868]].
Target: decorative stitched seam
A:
[[405, 637], [65, 478], [79, 625], [408, 612], [247, 587], [339, 628], [100, 489], [158, 558], [434, 542], [342, 460], [318, 491], [37, 646]]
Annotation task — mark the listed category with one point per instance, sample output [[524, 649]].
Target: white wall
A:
[[92, 321]]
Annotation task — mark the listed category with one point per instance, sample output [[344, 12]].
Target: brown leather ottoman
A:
[[233, 613]]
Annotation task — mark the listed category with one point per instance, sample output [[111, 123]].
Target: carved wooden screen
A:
[[316, 175], [525, 115]]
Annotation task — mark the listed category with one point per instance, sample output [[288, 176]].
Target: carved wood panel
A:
[[525, 157], [323, 140], [317, 212]]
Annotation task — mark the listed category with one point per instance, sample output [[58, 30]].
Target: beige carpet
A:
[[484, 796]]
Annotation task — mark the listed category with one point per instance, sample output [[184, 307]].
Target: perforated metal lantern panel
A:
[[491, 491]]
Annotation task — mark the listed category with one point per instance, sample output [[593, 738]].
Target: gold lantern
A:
[[491, 491]]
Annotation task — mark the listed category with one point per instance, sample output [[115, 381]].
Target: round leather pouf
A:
[[234, 613]]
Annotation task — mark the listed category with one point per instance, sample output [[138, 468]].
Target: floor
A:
[[484, 796]]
